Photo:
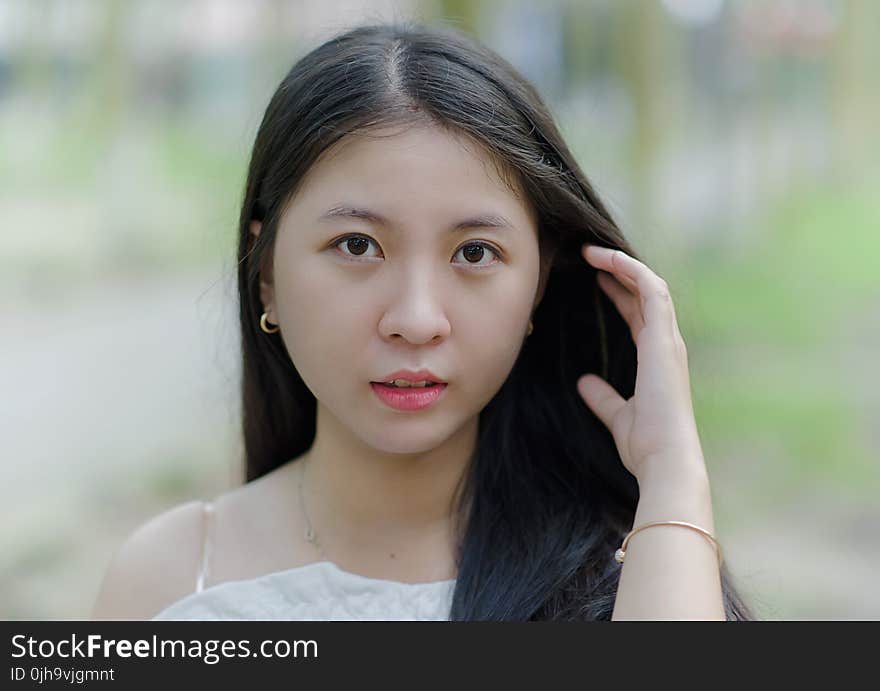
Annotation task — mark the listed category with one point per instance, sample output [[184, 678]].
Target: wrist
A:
[[676, 492], [668, 472]]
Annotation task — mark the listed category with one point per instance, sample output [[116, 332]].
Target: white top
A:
[[319, 591]]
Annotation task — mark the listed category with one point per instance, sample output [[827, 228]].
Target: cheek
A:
[[314, 302], [323, 320], [491, 334]]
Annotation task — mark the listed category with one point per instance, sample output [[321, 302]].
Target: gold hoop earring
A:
[[264, 322], [531, 328]]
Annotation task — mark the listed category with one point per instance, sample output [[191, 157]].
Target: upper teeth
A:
[[405, 383]]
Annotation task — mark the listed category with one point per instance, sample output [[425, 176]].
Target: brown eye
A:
[[475, 252], [357, 245]]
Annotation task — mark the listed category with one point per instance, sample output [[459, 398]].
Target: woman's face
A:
[[407, 288]]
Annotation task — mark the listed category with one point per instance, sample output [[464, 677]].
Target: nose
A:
[[417, 312]]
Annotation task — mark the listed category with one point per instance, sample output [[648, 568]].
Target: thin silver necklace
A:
[[310, 534]]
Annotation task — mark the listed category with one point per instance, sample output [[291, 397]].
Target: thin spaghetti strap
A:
[[207, 544]]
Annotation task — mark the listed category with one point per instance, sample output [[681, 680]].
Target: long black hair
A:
[[545, 500]]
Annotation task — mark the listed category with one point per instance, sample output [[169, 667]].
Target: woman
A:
[[412, 214]]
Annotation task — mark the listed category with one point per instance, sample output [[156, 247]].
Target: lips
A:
[[408, 399]]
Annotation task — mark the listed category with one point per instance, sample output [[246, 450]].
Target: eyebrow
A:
[[487, 220]]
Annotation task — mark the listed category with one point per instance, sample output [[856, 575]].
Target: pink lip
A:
[[408, 399]]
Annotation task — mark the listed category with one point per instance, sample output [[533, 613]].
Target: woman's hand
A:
[[655, 430]]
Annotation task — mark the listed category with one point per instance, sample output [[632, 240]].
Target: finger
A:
[[627, 283], [621, 278], [653, 290], [600, 397], [602, 258], [627, 304]]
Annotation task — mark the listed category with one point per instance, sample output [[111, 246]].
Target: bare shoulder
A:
[[155, 566]]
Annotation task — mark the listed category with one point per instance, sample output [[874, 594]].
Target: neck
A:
[[366, 504]]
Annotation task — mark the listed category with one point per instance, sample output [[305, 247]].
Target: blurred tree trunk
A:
[[647, 56], [274, 54], [854, 97], [110, 79], [34, 54], [464, 13]]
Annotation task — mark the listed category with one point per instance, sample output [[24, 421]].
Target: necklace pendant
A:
[[310, 535]]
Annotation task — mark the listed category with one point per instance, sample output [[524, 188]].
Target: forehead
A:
[[419, 168]]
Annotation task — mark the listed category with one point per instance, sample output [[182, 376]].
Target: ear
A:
[[267, 287]]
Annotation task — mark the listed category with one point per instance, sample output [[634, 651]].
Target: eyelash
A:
[[484, 245]]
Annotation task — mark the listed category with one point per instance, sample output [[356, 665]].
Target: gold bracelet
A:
[[621, 553]]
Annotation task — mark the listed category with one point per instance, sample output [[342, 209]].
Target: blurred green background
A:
[[736, 142]]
